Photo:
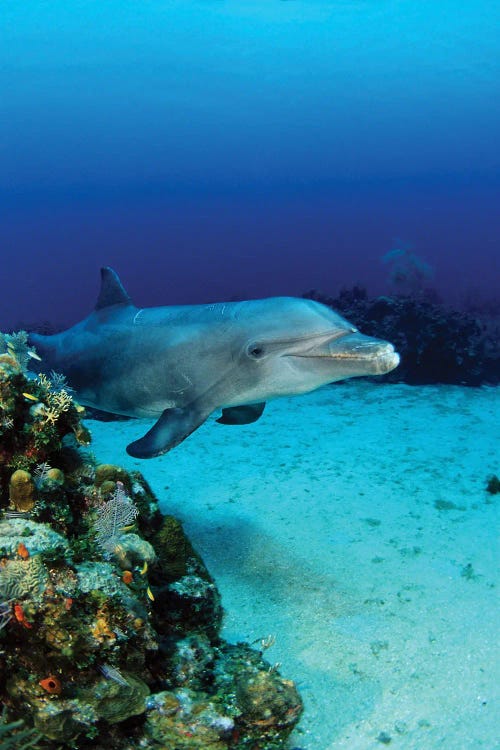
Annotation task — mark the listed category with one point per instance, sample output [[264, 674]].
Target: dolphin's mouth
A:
[[376, 356]]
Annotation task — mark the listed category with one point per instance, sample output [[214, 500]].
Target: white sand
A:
[[320, 525]]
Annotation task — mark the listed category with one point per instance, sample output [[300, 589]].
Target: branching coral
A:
[[56, 400], [14, 735], [16, 344], [58, 382]]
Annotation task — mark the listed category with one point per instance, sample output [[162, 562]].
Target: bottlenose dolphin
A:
[[178, 364]]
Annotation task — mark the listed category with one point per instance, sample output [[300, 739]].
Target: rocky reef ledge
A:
[[109, 620]]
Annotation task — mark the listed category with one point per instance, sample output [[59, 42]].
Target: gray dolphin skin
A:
[[179, 364]]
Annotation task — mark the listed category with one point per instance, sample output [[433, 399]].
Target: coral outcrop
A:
[[109, 620]]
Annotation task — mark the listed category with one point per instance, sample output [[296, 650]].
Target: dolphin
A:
[[179, 364]]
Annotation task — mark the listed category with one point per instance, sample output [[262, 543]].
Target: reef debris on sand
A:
[[109, 620]]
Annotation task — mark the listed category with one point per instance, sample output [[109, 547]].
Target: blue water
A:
[[215, 149], [221, 149]]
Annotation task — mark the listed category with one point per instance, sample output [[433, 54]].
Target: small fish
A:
[[144, 568], [150, 594], [17, 514], [23, 551], [127, 576], [30, 397], [33, 355], [111, 673]]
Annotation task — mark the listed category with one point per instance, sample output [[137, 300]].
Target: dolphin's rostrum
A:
[[178, 364]]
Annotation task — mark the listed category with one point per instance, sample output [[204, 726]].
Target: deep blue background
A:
[[211, 149]]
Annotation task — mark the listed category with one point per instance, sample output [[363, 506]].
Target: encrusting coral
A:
[[109, 620]]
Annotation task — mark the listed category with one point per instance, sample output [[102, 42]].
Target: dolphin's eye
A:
[[256, 351]]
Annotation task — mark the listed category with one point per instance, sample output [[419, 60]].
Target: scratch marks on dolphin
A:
[[217, 307], [185, 386]]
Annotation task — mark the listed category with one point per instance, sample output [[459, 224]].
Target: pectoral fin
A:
[[172, 428], [241, 414]]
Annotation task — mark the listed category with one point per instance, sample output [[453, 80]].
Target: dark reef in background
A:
[[436, 344]]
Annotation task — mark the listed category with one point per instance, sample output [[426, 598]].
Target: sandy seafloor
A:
[[353, 524]]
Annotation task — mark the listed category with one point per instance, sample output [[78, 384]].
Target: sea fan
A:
[[112, 516], [41, 473]]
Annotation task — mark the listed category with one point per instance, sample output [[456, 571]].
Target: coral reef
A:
[[109, 620], [436, 344]]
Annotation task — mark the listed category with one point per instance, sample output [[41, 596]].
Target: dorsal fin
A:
[[112, 291]]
